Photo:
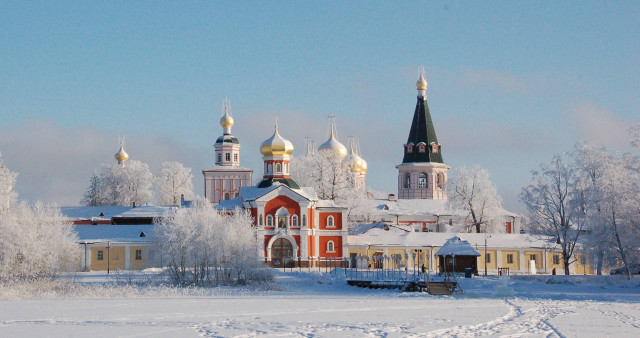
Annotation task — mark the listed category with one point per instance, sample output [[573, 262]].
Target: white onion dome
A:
[[226, 121], [422, 83], [334, 145], [121, 155], [276, 145]]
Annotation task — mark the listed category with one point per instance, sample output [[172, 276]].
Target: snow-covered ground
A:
[[317, 304]]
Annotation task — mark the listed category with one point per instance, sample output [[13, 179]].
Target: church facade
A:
[[293, 227]]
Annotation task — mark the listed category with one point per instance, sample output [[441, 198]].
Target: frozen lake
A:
[[312, 304]]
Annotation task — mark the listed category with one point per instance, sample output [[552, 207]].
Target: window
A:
[[488, 257], [227, 157], [235, 157], [138, 254], [278, 167], [330, 247], [422, 181], [409, 148], [269, 169], [219, 157], [304, 220], [421, 148], [269, 220], [237, 194], [260, 221], [407, 181], [330, 222], [440, 179], [583, 260], [226, 195], [100, 255], [294, 221], [509, 258], [532, 257], [556, 259]]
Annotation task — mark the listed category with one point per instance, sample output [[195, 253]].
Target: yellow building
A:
[[518, 253], [115, 247]]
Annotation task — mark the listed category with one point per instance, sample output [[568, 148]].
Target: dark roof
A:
[[227, 139], [422, 130], [267, 182]]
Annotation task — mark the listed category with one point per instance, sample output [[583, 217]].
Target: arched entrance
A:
[[282, 253]]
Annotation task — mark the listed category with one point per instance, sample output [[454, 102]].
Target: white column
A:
[[127, 257]]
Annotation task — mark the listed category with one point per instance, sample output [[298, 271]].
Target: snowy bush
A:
[[37, 241], [203, 247]]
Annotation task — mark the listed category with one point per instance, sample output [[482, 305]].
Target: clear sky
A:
[[510, 82]]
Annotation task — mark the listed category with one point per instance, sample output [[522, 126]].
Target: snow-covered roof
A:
[[457, 247], [76, 213], [114, 233], [408, 208], [227, 168], [253, 192], [230, 204], [396, 236]]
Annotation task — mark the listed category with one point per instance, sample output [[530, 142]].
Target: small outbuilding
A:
[[457, 255]]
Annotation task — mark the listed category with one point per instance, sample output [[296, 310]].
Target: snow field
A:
[[313, 304]]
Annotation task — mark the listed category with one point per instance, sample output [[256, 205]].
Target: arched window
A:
[[269, 220], [226, 195], [304, 220], [422, 181], [278, 168], [269, 169], [330, 246], [407, 181], [294, 221], [330, 223], [440, 179], [260, 220], [421, 147]]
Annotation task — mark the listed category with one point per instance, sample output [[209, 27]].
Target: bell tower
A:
[[224, 179], [422, 174]]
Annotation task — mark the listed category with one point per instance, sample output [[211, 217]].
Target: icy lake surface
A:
[[322, 305]]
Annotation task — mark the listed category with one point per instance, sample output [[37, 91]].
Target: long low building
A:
[[520, 253]]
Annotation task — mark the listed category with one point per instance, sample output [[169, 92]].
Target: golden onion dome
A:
[[359, 164], [334, 145], [226, 121], [121, 155], [422, 83], [276, 145]]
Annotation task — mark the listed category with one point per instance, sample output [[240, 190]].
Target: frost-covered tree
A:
[[7, 182], [471, 190], [618, 211], [203, 247], [93, 195], [173, 181], [328, 173], [590, 161], [555, 205], [124, 185], [37, 241]]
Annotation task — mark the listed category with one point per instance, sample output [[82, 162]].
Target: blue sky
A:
[[510, 83]]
